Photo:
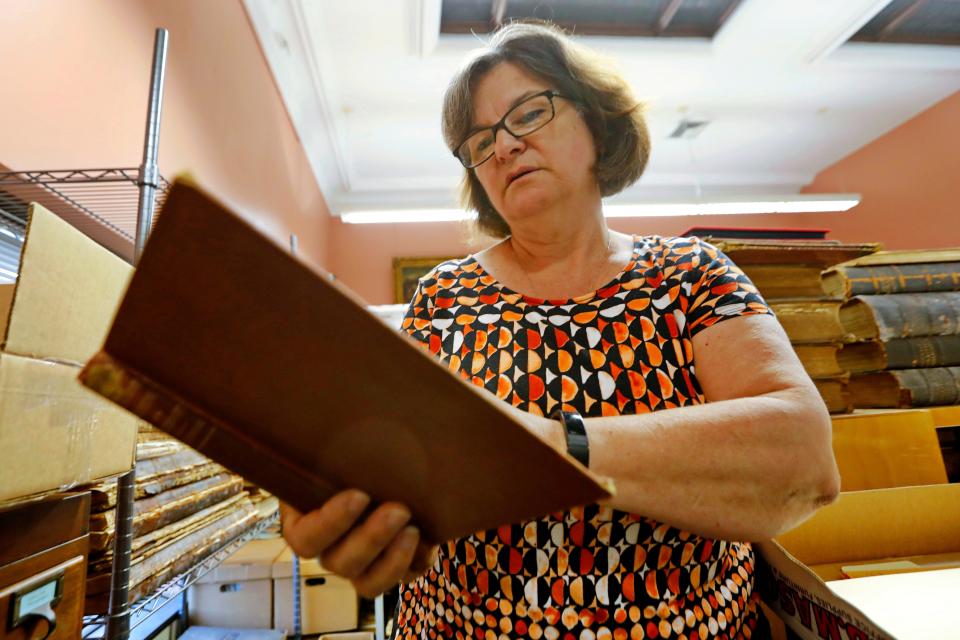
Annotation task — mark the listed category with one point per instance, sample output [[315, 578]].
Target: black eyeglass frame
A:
[[502, 124]]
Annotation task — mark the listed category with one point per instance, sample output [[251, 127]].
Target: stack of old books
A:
[[788, 275], [902, 311], [186, 507]]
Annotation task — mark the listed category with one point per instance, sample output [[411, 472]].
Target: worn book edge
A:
[[166, 410]]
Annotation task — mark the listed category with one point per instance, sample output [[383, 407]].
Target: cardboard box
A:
[[55, 433], [821, 578], [888, 448], [328, 602], [239, 592]]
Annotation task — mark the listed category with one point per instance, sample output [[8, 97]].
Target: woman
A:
[[692, 399]]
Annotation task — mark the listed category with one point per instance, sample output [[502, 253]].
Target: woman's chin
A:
[[528, 204]]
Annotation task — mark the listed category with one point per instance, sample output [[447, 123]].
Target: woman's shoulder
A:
[[448, 273]]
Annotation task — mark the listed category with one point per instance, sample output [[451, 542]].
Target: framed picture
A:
[[406, 272]]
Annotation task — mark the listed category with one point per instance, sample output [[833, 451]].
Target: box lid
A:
[[252, 561], [880, 523], [283, 566], [888, 448], [64, 277]]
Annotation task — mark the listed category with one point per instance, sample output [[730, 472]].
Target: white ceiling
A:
[[363, 81]]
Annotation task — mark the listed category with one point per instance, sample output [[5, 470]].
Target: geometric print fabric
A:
[[593, 571]]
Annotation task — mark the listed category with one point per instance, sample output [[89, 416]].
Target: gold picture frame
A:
[[406, 273]]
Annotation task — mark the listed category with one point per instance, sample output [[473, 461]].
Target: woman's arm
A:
[[753, 462]]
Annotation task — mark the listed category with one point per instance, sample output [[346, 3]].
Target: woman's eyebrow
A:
[[523, 96]]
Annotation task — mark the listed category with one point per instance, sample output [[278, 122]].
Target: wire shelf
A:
[[94, 627], [108, 197]]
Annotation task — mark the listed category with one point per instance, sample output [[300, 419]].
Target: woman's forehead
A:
[[499, 89]]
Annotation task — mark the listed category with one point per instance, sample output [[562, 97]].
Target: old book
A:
[[847, 281], [835, 394], [810, 321], [822, 253], [902, 315], [103, 495], [900, 353], [790, 268], [903, 388], [154, 513], [905, 256], [819, 360], [261, 362], [785, 280], [147, 572]]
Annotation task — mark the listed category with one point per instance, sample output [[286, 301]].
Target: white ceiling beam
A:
[[426, 25], [289, 48], [791, 32]]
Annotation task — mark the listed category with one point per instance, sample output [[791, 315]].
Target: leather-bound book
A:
[[810, 321], [904, 388], [901, 353], [790, 268], [887, 272], [261, 362], [902, 315]]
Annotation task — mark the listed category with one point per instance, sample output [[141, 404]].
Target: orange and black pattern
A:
[[591, 572]]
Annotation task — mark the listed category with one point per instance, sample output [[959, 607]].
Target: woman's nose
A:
[[506, 144]]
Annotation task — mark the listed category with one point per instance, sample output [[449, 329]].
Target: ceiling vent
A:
[[689, 129]]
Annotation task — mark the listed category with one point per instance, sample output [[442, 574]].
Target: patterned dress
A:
[[592, 572]]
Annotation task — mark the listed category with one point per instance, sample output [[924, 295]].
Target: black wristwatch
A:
[[576, 432]]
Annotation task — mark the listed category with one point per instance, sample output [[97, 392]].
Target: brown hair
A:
[[604, 100]]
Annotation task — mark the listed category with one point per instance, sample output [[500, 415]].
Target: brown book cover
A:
[[904, 388], [258, 360], [846, 281], [810, 321], [901, 353], [902, 315]]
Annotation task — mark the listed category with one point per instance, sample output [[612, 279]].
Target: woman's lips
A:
[[521, 176]]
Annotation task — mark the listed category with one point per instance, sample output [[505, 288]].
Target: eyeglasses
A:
[[530, 115]]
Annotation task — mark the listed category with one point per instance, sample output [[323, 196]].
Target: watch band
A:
[[576, 433]]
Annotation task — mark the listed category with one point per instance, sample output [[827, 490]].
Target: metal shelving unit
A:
[[108, 197], [117, 203], [140, 612]]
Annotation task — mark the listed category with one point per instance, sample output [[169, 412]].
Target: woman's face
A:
[[555, 163]]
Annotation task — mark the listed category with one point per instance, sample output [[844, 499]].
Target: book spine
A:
[[930, 351], [929, 387], [907, 315], [902, 278], [223, 443]]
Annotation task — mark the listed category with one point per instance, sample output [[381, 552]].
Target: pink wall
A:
[[75, 80], [910, 182]]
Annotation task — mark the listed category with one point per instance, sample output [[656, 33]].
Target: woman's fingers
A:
[[374, 553], [310, 534], [391, 566], [351, 556]]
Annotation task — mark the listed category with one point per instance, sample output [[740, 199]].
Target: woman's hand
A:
[[374, 550]]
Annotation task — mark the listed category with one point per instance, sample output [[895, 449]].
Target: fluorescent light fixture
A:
[[716, 207], [820, 203], [7, 232], [387, 216]]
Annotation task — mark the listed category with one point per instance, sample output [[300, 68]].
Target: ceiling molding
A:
[[289, 46]]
